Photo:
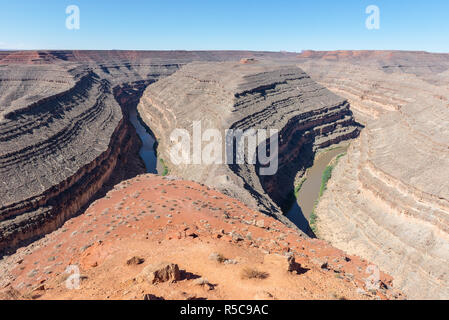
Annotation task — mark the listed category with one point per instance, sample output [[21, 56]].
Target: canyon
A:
[[388, 199], [70, 155], [242, 96], [64, 130]]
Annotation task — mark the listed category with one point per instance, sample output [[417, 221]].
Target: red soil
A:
[[182, 222]]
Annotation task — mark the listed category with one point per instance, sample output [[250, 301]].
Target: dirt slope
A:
[[164, 219]]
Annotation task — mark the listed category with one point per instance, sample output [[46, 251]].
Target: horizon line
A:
[[237, 50]]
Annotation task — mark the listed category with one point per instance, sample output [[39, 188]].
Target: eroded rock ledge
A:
[[243, 96], [55, 154], [62, 136]]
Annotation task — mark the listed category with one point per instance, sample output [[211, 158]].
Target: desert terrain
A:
[[74, 191], [221, 249]]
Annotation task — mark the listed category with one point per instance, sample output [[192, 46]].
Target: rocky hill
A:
[[247, 96], [158, 237]]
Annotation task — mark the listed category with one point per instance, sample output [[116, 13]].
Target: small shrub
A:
[[217, 257], [164, 166], [201, 282], [250, 273]]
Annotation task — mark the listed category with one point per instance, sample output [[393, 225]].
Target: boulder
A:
[[286, 263], [135, 261], [162, 272]]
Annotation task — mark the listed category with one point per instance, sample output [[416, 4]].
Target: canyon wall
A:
[[55, 152], [388, 199], [256, 95], [64, 135], [64, 132]]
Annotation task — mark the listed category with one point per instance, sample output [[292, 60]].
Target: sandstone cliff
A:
[[56, 153]]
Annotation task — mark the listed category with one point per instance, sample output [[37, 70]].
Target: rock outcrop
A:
[[246, 97], [388, 199], [156, 219], [161, 272]]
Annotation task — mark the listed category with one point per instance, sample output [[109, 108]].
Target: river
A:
[[302, 208], [146, 152]]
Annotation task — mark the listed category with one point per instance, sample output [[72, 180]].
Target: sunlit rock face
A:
[[388, 199]]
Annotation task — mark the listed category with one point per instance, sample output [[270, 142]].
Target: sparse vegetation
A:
[[313, 218], [299, 186], [251, 273], [164, 167], [217, 257], [294, 194], [327, 174], [202, 282]]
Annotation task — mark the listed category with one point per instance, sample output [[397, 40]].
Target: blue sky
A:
[[275, 25]]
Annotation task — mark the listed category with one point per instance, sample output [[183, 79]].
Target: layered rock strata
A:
[[388, 199], [244, 96], [55, 154], [62, 133]]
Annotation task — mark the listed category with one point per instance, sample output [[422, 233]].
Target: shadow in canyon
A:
[[280, 187], [140, 158], [296, 216]]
